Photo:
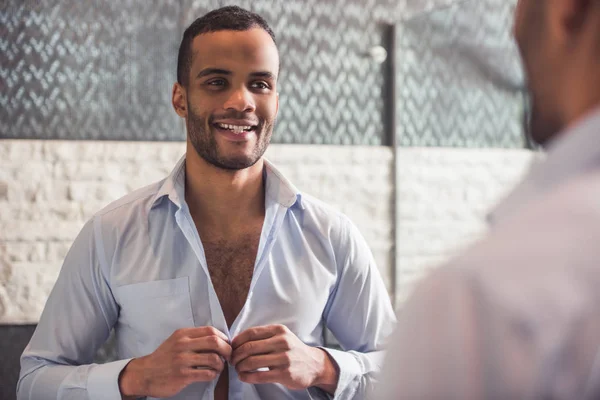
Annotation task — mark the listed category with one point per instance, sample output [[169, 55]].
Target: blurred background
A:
[[406, 115]]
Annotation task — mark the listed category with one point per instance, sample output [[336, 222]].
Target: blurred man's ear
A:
[[573, 15]]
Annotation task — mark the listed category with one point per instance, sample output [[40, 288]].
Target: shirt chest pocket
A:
[[152, 311]]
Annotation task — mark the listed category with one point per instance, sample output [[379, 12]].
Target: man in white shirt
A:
[[220, 280], [517, 316]]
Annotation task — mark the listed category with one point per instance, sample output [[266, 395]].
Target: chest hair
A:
[[231, 266]]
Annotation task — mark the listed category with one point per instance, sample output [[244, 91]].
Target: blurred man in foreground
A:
[[518, 315]]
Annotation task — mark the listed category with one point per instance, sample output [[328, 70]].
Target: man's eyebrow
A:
[[218, 71], [212, 71], [263, 74]]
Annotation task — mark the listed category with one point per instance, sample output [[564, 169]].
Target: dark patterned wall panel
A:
[[459, 78], [104, 70], [85, 70], [13, 339]]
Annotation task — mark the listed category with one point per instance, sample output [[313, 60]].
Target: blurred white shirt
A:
[[518, 315]]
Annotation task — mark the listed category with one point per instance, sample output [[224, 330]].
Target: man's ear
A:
[[179, 100], [572, 15], [277, 109]]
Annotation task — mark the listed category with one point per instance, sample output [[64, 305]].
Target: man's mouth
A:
[[234, 128]]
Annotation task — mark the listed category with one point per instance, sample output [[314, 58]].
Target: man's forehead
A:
[[254, 46]]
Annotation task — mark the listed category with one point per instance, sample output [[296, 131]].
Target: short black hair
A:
[[230, 18]]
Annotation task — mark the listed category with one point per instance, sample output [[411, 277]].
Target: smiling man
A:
[[221, 279]]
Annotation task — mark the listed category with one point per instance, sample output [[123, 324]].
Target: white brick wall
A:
[[443, 197], [48, 189]]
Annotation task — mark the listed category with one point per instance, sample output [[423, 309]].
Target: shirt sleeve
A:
[[77, 319], [360, 315]]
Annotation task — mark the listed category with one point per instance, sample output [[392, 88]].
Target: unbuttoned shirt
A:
[[517, 316], [138, 266]]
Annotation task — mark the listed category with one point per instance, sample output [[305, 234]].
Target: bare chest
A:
[[231, 266]]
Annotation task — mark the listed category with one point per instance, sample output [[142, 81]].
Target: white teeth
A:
[[235, 128]]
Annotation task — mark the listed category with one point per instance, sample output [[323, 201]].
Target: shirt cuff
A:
[[103, 380], [349, 372]]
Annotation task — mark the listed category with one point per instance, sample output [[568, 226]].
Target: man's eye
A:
[[260, 85], [216, 82]]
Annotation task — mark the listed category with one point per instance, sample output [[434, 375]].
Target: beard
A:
[[203, 139]]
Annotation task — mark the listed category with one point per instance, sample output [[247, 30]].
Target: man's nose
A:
[[240, 100]]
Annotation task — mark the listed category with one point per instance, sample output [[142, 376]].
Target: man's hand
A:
[[290, 362], [189, 355]]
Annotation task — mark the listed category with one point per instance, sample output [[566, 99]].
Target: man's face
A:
[[232, 98], [541, 67]]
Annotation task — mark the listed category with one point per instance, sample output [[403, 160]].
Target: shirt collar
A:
[[571, 153], [278, 189], [173, 186]]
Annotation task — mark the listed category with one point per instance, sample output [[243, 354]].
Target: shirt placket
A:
[[184, 221], [274, 218]]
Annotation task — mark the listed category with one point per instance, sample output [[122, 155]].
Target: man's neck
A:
[[222, 201], [581, 93]]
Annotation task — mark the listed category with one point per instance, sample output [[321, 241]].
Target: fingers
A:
[[205, 360], [250, 364], [272, 376], [200, 375], [211, 344], [201, 332], [271, 345], [258, 333], [203, 339]]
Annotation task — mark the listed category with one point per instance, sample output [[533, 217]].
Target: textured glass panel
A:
[[89, 70], [104, 70], [459, 78]]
